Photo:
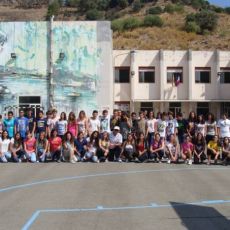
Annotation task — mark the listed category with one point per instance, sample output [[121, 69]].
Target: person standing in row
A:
[[210, 127], [41, 124], [82, 123], [124, 125], [94, 123], [72, 124], [105, 122], [151, 126], [8, 124], [31, 121], [61, 125], [21, 124]]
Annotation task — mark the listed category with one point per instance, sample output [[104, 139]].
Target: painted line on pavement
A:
[[48, 181], [101, 208]]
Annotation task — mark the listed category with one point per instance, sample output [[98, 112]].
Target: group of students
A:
[[118, 137]]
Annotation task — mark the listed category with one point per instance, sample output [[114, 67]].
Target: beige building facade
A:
[[177, 81]]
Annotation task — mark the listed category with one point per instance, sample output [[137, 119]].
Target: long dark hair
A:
[[5, 131], [39, 138], [212, 117], [19, 141], [61, 116], [96, 139], [190, 119], [202, 119], [202, 141], [64, 139]]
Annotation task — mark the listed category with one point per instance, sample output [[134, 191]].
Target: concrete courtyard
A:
[[114, 196]]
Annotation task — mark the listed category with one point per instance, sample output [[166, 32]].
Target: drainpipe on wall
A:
[[190, 78], [132, 79], [217, 79], [162, 79], [51, 86]]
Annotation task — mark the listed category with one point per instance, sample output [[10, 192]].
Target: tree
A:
[[136, 5], [53, 8], [94, 14]]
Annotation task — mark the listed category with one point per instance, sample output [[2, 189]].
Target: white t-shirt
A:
[[224, 126], [94, 124], [4, 145], [61, 127], [105, 124], [200, 128], [115, 139], [151, 125], [161, 127], [210, 128], [172, 148], [171, 125]]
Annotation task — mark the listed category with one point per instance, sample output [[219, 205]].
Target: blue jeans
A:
[[5, 157], [41, 154], [31, 157]]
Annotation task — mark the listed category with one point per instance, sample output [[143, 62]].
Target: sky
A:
[[223, 3]]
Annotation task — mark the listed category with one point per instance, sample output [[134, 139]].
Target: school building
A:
[[72, 66], [179, 81]]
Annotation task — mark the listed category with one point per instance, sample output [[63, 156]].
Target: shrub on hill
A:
[[155, 10], [153, 20], [171, 8], [206, 20], [94, 14]]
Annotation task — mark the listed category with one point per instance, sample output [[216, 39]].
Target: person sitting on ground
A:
[[68, 148], [226, 151], [80, 145], [30, 147], [104, 147], [199, 149], [172, 150], [55, 145], [187, 150], [42, 147], [213, 150], [16, 148], [5, 154], [116, 141], [92, 148], [129, 148], [157, 148], [141, 148]]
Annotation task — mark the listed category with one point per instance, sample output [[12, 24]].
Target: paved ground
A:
[[114, 196]]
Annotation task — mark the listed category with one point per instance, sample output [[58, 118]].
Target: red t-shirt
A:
[[30, 144], [55, 143]]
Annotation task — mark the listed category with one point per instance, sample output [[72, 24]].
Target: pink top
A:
[[30, 144], [72, 127], [187, 146]]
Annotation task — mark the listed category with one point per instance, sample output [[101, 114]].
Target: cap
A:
[[117, 128]]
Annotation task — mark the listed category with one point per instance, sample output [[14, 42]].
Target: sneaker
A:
[[169, 162], [72, 161], [119, 160], [75, 159], [190, 162], [58, 161]]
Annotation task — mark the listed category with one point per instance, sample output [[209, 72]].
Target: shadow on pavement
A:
[[194, 217]]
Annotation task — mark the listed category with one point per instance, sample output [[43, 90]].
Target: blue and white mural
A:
[[81, 60]]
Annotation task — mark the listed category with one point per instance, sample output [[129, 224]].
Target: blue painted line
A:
[[31, 220], [102, 208], [20, 186]]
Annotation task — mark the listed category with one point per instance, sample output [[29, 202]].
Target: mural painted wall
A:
[[82, 78], [22, 75]]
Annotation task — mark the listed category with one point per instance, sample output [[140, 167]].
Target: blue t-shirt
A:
[[9, 126], [41, 124], [21, 124], [80, 144]]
